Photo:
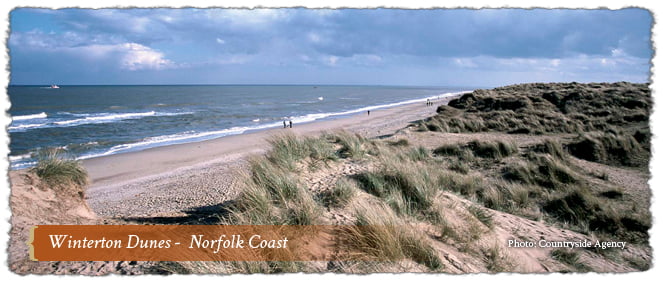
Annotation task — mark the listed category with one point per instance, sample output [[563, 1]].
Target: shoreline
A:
[[17, 164], [104, 170], [169, 179]]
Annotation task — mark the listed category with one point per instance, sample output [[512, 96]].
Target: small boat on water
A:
[[54, 86]]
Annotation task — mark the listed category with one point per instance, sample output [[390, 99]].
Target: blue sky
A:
[[304, 46]]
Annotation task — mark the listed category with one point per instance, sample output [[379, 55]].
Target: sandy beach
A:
[[171, 179]]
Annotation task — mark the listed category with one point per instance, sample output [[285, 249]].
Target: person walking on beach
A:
[[284, 126], [290, 124], [369, 112]]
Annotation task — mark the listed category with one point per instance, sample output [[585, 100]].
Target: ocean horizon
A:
[[90, 121]]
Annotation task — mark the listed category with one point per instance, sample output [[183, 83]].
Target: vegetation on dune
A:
[[611, 119], [408, 187], [288, 149], [57, 168], [272, 195], [570, 258], [341, 194], [379, 233], [397, 201]]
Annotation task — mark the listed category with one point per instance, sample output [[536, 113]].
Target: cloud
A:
[[126, 56], [138, 57], [332, 60], [307, 41]]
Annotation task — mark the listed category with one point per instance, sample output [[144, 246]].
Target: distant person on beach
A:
[[290, 124], [369, 112], [284, 125]]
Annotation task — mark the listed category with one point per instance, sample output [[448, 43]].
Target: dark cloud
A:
[[124, 40]]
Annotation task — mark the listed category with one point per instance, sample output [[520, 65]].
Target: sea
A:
[[94, 121]]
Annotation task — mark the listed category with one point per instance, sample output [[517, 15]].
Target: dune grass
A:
[[378, 233], [352, 145], [272, 195], [543, 170], [288, 149], [407, 186], [57, 168], [492, 149], [570, 258], [483, 216], [341, 194], [497, 259]]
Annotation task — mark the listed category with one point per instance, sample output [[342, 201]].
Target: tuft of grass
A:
[[612, 148], [288, 149], [492, 149], [570, 258], [435, 215], [497, 260], [638, 263], [459, 166], [448, 150], [399, 142], [483, 216], [552, 148], [341, 194], [319, 150], [418, 154], [576, 207], [466, 185], [543, 170], [483, 149], [57, 168], [409, 187], [352, 145], [271, 195], [380, 234]]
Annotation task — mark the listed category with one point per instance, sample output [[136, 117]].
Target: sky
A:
[[489, 47]]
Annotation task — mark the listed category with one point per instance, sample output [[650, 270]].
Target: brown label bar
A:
[[190, 243]]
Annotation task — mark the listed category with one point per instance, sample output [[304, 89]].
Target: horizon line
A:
[[248, 84]]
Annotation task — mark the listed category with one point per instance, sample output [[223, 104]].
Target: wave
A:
[[33, 116], [22, 165], [179, 138], [20, 157], [192, 136], [102, 118], [90, 119], [23, 127]]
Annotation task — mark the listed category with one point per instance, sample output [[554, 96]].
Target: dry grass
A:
[[57, 168], [288, 149], [272, 195], [381, 235], [352, 145], [497, 259], [341, 194], [570, 258]]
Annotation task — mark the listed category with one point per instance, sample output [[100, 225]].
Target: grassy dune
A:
[[438, 200]]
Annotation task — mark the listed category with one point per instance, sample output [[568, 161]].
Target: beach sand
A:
[[171, 180]]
